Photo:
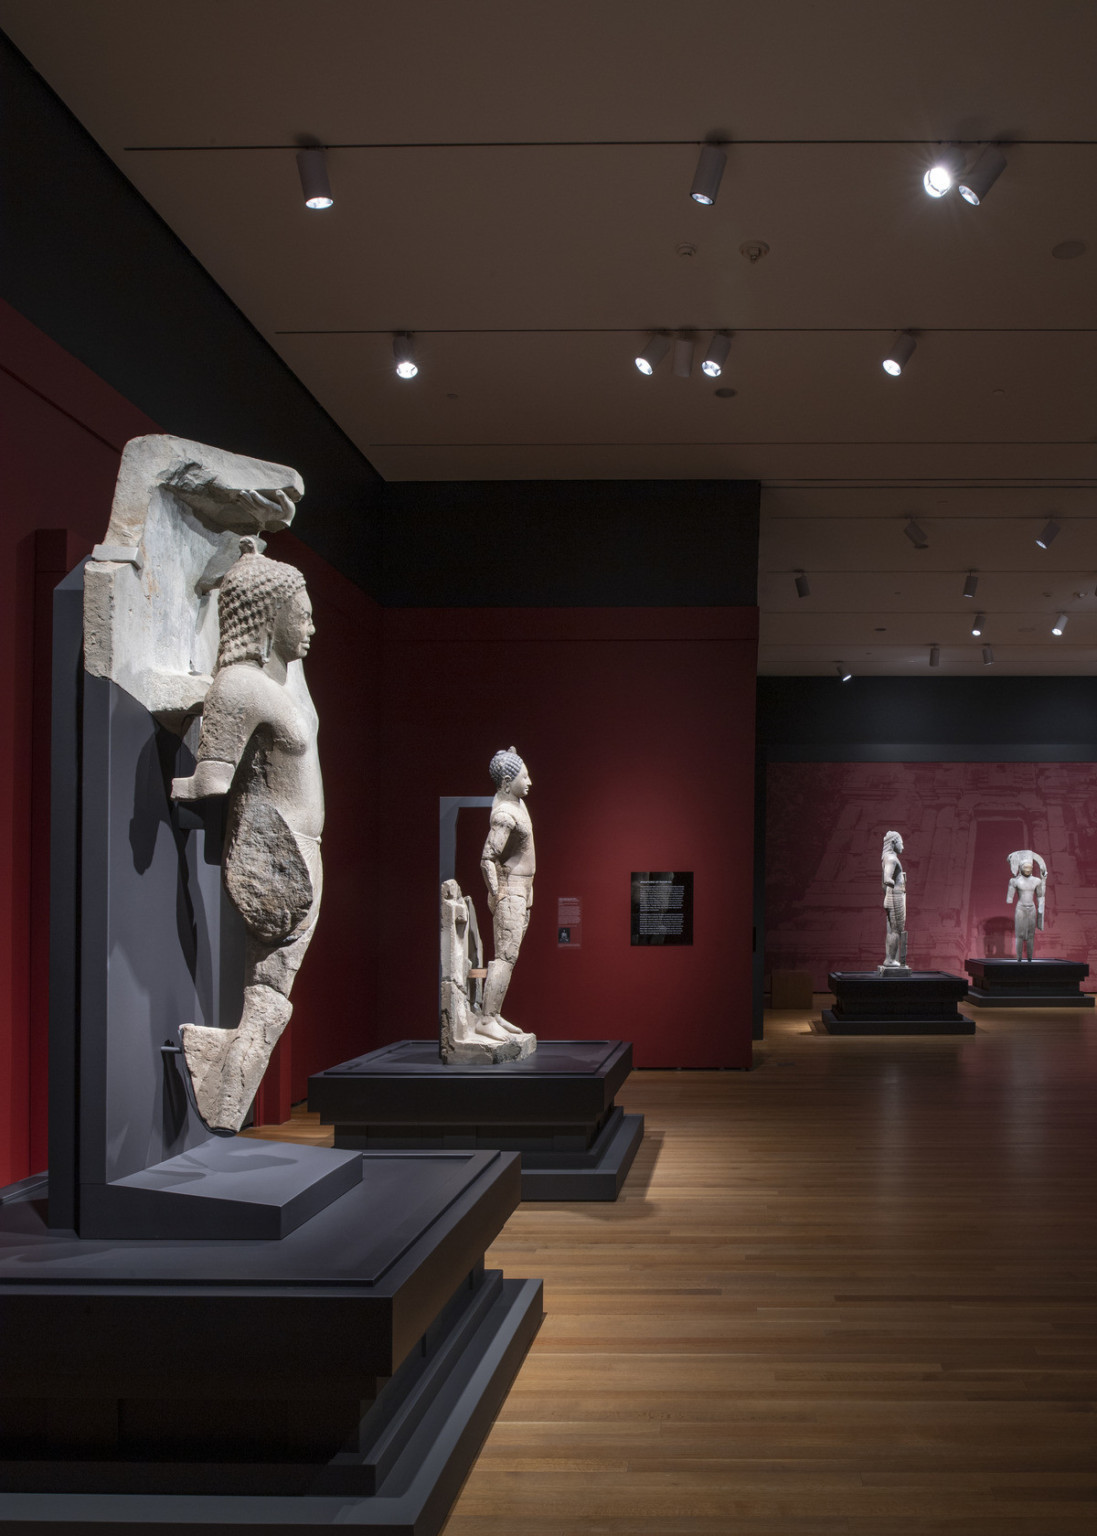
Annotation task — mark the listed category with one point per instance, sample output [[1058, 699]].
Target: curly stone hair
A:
[[504, 766], [253, 591]]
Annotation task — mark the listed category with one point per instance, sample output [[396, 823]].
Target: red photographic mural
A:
[[825, 824]]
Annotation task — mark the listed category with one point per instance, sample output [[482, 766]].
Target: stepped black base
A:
[[1028, 983], [556, 1108], [343, 1376], [922, 1003]]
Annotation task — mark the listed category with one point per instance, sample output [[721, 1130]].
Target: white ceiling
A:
[[511, 184]]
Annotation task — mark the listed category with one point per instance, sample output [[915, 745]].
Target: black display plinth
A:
[[556, 1108], [923, 1003], [1028, 983], [342, 1376]]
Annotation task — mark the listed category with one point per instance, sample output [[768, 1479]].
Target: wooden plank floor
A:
[[851, 1293]]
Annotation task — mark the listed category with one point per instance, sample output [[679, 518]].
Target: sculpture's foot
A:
[[226, 1066], [491, 1042], [489, 1029]]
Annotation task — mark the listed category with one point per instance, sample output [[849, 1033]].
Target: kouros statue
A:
[[508, 867], [1030, 891], [258, 747], [473, 1029], [895, 906]]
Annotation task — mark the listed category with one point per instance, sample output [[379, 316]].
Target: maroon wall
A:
[[824, 829], [638, 729]]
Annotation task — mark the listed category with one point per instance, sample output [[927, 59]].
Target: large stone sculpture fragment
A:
[[895, 907], [258, 747]]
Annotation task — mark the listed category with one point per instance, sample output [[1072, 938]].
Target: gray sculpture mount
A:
[[1030, 891], [895, 907], [150, 588], [474, 1029], [258, 747]]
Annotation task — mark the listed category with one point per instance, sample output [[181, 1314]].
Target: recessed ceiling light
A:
[[706, 179], [1067, 250], [725, 393], [313, 170]]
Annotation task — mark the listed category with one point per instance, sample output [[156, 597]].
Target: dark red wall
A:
[[638, 729]]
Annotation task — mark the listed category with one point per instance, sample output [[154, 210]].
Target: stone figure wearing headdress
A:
[[895, 903], [258, 747], [1030, 891]]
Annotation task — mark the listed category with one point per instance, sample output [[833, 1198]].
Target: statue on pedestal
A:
[[474, 1031], [1031, 892], [258, 747], [895, 907]]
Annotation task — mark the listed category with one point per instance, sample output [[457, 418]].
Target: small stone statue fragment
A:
[[258, 747], [895, 907], [1031, 892]]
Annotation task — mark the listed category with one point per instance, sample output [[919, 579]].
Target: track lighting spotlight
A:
[[917, 535], [404, 353], [683, 356], [899, 354], [977, 625], [988, 655], [935, 655], [802, 587], [843, 672], [971, 584], [654, 353], [1047, 533], [982, 176], [947, 165], [312, 167], [1059, 625], [717, 354], [706, 180]]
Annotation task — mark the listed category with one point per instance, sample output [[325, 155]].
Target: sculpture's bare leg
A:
[[511, 918], [227, 1065]]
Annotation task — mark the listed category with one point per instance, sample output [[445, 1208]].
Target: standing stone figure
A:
[[258, 747], [895, 903], [1030, 891], [508, 867]]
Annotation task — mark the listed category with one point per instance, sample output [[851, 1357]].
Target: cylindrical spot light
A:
[[947, 165], [935, 655], [977, 625], [312, 167], [683, 356], [899, 354], [971, 584], [1059, 625], [706, 180], [653, 354], [802, 587], [988, 655], [717, 354], [1047, 533], [843, 672], [916, 534], [404, 352], [982, 176]]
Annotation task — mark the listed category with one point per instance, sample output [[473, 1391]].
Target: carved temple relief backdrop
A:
[[824, 826]]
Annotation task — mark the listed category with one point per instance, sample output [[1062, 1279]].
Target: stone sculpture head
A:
[[894, 841], [1026, 867], [263, 608], [509, 773]]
